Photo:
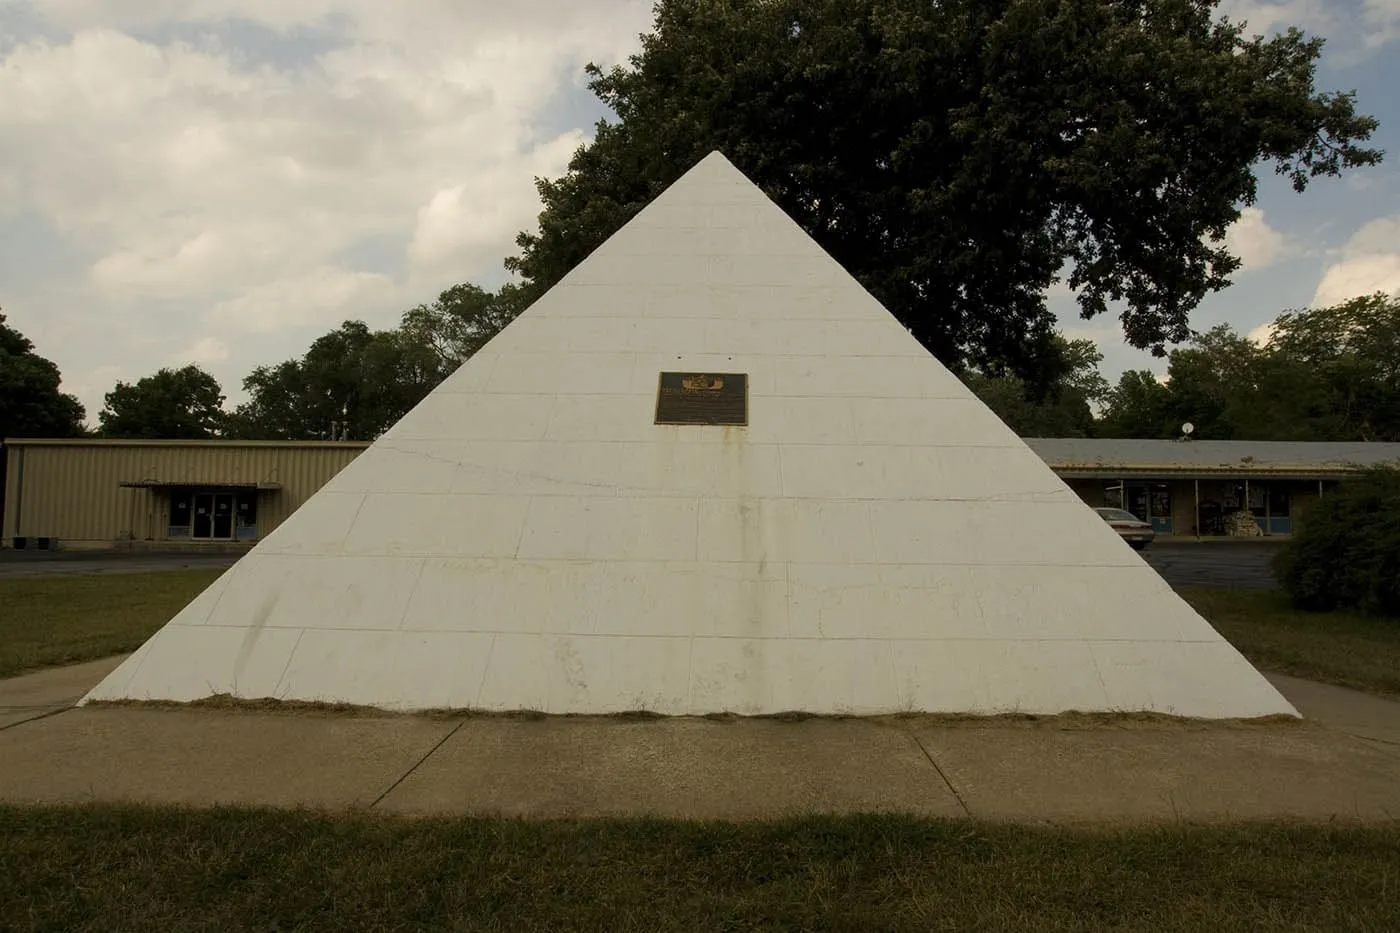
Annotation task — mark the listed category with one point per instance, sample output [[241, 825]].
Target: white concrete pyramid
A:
[[875, 540]]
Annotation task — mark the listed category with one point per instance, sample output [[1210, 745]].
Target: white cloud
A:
[[222, 196], [1262, 334], [320, 297], [1263, 17], [1355, 28], [1382, 20], [1369, 262], [1256, 243], [485, 211], [203, 352]]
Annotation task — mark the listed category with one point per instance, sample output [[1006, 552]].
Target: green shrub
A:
[[1346, 553]]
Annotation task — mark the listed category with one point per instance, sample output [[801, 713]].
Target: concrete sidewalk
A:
[[43, 693], [1061, 770], [696, 768]]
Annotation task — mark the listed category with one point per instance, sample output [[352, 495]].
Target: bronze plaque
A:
[[703, 398]]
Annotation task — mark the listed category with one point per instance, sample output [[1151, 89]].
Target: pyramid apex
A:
[[715, 159]]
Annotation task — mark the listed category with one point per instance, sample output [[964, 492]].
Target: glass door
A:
[[202, 525], [223, 516], [1151, 502]]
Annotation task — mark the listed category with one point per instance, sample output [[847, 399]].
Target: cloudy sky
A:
[[221, 181]]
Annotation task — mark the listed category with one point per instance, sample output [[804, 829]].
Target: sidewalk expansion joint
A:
[[52, 712], [417, 764], [949, 784]]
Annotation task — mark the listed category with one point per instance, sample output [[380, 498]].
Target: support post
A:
[[1248, 502], [1198, 509]]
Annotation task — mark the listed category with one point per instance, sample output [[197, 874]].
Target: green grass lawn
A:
[[1334, 647], [66, 619], [122, 868]]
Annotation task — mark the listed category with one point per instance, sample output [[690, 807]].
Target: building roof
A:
[[168, 442], [1305, 459]]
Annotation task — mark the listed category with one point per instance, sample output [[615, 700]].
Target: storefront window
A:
[[1161, 500], [180, 505], [1113, 496], [1257, 494], [213, 514], [247, 514]]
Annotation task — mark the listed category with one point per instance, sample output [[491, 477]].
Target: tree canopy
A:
[[354, 383], [31, 404], [1325, 374], [1065, 409], [172, 403], [957, 155]]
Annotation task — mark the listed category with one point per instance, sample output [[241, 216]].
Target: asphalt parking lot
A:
[[1238, 564], [60, 563]]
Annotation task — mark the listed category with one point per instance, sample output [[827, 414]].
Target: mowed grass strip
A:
[[1333, 647], [126, 868], [64, 619]]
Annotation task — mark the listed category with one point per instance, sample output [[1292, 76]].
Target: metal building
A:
[[89, 493]]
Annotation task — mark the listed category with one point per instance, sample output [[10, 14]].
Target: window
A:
[[180, 510], [1257, 493], [1161, 500], [246, 517]]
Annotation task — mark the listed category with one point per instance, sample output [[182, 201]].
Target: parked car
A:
[[1130, 528]]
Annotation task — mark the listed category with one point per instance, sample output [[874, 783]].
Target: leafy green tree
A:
[[1065, 409], [955, 155], [461, 321], [31, 404], [355, 383], [1326, 374], [1349, 354], [324, 394], [185, 403], [1211, 382], [1138, 406], [1346, 552]]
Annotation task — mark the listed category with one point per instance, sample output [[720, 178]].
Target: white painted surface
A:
[[875, 540]]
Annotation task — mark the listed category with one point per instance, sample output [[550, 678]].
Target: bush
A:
[[1346, 553]]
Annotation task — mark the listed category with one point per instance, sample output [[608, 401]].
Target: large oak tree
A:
[[957, 155]]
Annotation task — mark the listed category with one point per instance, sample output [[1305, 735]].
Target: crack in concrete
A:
[[51, 712], [949, 784], [417, 764]]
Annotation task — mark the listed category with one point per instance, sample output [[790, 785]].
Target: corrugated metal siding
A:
[[12, 468], [73, 491]]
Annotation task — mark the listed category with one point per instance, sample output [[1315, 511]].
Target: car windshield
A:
[[1118, 515]]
